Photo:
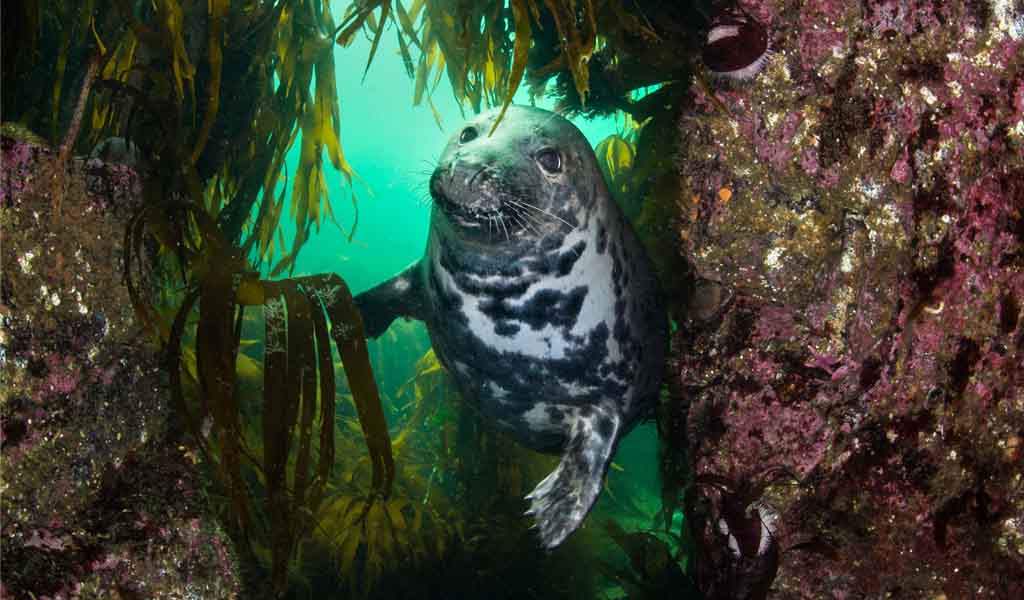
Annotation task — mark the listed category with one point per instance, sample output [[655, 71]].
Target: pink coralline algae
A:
[[86, 447], [901, 169], [17, 160], [62, 378], [863, 372]]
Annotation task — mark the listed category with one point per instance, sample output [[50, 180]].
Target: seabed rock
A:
[[100, 500], [854, 357]]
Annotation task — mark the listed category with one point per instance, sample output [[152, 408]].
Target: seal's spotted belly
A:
[[539, 301], [533, 345]]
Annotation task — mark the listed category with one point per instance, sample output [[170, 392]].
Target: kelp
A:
[[369, 539], [483, 47], [166, 65], [301, 316], [64, 151], [616, 155], [420, 389], [347, 330], [599, 53], [168, 37], [521, 18], [655, 570], [295, 453], [118, 64], [577, 29], [217, 13]]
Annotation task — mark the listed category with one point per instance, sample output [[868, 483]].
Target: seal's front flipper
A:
[[564, 497], [399, 296]]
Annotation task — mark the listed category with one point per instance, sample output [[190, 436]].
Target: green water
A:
[[393, 147]]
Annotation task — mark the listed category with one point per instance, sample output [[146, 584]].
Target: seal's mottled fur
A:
[[539, 300]]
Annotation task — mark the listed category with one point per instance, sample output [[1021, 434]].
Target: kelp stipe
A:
[[655, 570], [299, 393]]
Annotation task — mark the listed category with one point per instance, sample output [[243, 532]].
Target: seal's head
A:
[[532, 177]]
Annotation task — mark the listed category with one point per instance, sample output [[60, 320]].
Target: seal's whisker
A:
[[541, 210], [523, 224], [420, 173], [515, 217], [501, 221], [536, 220], [423, 191], [514, 223], [525, 218], [519, 209], [424, 199], [497, 226]]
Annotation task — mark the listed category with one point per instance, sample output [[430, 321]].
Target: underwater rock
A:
[[856, 348], [100, 499]]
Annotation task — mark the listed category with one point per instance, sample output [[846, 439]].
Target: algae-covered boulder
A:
[[100, 500], [852, 367]]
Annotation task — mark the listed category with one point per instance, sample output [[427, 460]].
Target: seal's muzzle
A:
[[470, 194]]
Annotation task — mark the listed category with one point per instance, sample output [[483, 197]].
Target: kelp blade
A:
[[347, 331]]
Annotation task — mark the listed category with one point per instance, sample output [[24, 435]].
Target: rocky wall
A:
[[99, 499], [852, 370]]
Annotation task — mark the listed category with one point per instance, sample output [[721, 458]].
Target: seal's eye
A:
[[550, 160], [468, 135]]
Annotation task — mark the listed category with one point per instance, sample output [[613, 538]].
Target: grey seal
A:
[[539, 300]]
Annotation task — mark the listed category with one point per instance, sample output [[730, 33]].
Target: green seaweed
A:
[[655, 570]]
